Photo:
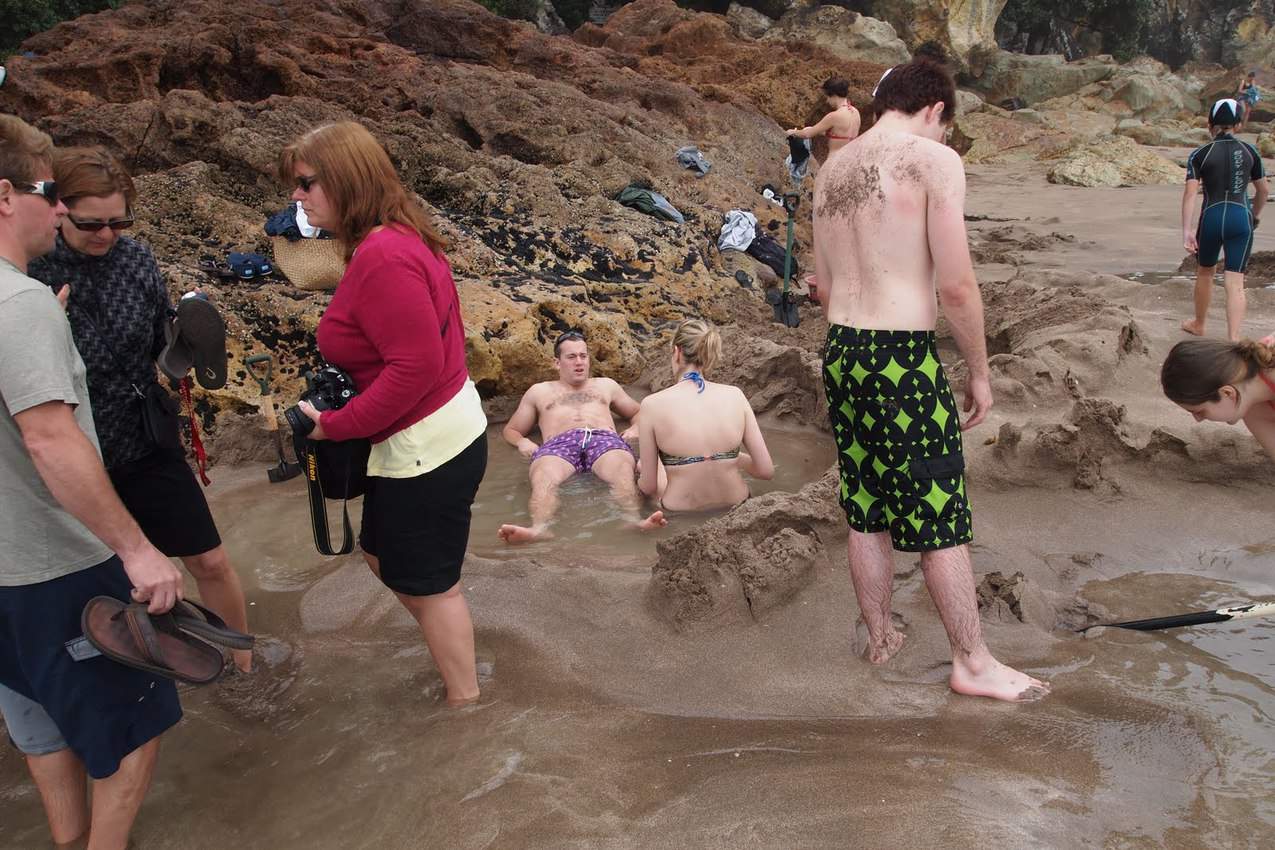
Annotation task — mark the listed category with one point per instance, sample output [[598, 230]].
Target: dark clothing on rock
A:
[[765, 249]]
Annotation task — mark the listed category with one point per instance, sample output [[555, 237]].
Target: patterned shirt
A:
[[118, 306]]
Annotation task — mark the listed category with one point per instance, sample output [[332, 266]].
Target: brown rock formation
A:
[[965, 28], [1112, 161], [198, 99]]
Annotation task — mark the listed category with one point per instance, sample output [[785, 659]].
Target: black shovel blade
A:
[[786, 310], [283, 472]]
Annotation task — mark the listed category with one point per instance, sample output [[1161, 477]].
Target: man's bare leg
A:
[[444, 620], [1236, 302], [62, 783], [547, 474], [950, 579], [1203, 295], [872, 571], [117, 799], [616, 469], [220, 590]]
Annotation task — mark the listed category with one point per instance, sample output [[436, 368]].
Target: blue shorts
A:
[[102, 710], [1225, 227]]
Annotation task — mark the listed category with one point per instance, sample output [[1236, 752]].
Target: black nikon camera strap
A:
[[308, 454]]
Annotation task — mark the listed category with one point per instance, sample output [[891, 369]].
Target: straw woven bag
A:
[[310, 263]]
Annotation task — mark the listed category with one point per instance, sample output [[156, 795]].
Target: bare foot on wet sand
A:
[[882, 651], [1194, 327], [654, 521], [513, 534], [462, 702], [879, 651], [990, 678]]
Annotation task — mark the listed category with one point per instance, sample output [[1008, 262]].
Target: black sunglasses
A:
[[567, 336], [92, 225], [47, 189], [305, 181]]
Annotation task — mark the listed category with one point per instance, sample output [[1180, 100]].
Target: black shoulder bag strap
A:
[[308, 455]]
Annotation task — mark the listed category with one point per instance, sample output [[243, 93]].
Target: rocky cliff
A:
[[517, 141]]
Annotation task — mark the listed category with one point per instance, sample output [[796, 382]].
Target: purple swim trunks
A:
[[581, 447]]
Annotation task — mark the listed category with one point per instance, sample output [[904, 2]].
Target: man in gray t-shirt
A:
[[69, 713]]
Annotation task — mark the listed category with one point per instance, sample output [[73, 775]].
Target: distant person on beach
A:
[[67, 538], [698, 438], [1224, 168], [841, 124], [1247, 96], [894, 200], [395, 326], [1226, 382], [578, 436]]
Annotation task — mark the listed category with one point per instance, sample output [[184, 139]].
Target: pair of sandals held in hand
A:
[[181, 644]]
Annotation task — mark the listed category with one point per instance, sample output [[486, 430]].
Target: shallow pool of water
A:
[[1188, 280], [590, 522]]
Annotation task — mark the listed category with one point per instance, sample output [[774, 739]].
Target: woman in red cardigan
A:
[[394, 326]]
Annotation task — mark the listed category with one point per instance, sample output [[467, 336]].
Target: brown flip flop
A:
[[196, 620], [125, 632]]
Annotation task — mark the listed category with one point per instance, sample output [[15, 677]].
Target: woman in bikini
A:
[[841, 125], [696, 429], [1225, 381]]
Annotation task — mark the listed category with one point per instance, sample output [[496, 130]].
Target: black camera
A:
[[328, 389]]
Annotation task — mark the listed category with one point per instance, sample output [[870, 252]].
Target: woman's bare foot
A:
[[461, 702], [988, 677], [1193, 326], [243, 660], [521, 534], [654, 521]]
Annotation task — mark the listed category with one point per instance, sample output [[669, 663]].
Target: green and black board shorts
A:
[[898, 437]]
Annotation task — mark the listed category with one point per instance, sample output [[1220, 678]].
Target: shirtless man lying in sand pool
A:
[[889, 226], [574, 414]]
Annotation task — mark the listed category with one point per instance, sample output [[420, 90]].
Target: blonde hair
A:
[[700, 343], [359, 181], [24, 150], [1197, 369], [91, 173]]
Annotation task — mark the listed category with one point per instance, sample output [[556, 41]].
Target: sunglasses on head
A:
[[92, 225], [567, 337], [305, 181], [47, 189]]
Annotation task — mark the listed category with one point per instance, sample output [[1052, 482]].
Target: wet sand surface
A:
[[603, 726]]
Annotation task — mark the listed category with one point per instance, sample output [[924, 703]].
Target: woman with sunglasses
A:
[[117, 303], [394, 326]]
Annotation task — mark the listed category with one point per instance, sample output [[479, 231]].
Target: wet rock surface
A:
[[198, 101]]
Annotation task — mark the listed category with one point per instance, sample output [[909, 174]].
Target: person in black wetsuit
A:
[[1225, 167]]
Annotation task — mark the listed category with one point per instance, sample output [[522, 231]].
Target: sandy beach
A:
[[606, 723]]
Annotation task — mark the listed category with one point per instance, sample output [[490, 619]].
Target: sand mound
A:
[[738, 566]]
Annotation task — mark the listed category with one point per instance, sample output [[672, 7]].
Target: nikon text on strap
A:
[[308, 455]]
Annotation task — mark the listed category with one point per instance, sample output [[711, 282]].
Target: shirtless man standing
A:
[[574, 414], [889, 227]]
